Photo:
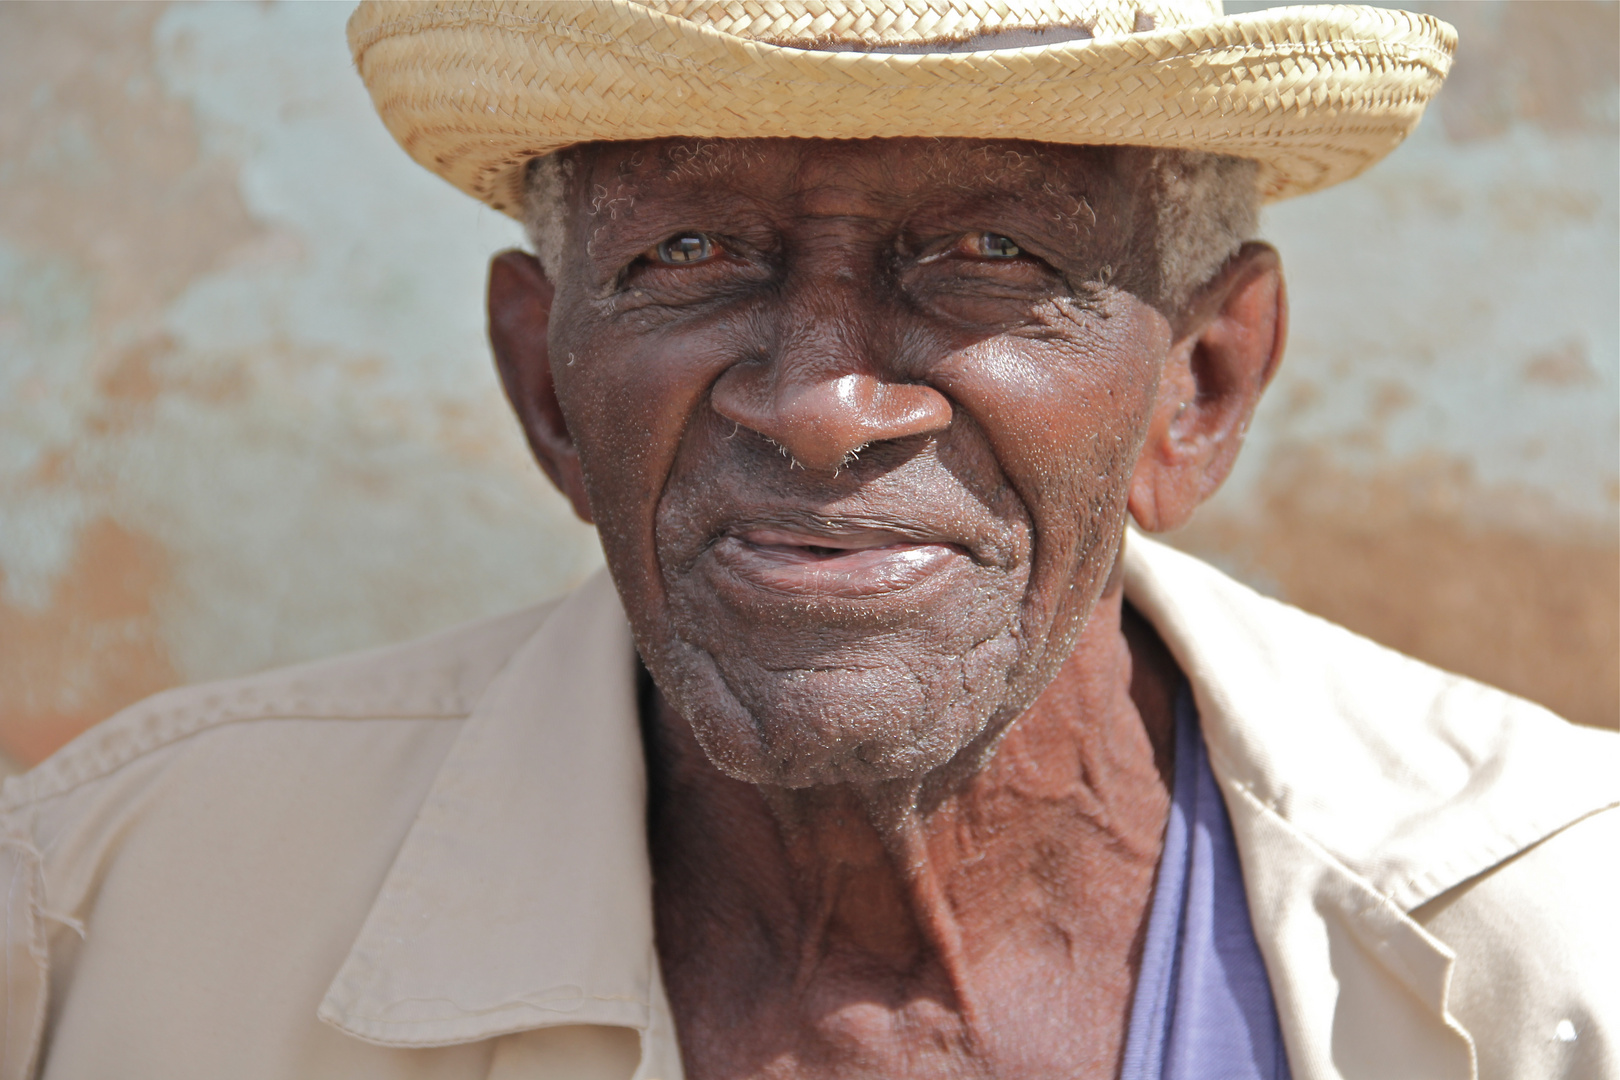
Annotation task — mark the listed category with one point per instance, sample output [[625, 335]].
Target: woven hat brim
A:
[[473, 89]]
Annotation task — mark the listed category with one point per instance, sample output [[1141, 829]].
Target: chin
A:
[[830, 724]]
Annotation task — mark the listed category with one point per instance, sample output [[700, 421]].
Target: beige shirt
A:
[[429, 861]]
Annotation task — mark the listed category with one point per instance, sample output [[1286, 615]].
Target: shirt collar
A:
[[521, 897]]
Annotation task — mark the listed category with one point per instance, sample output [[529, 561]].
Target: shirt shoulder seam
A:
[[140, 731], [305, 692]]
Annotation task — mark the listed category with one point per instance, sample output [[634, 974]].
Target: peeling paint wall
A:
[[247, 416]]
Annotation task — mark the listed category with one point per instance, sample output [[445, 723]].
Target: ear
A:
[[1228, 345], [519, 317]]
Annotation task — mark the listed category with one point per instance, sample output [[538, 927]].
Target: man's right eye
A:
[[682, 249]]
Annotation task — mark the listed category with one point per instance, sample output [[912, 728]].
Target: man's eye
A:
[[989, 245], [683, 249]]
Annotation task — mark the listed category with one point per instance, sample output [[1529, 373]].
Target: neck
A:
[[1040, 864]]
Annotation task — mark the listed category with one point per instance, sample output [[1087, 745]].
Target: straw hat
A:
[[472, 89]]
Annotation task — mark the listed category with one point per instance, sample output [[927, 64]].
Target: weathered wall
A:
[[247, 415]]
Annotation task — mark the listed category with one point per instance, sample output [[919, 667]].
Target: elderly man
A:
[[860, 331]]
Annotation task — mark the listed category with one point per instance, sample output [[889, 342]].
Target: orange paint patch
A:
[[1566, 365], [1424, 561], [132, 376], [94, 649], [103, 167]]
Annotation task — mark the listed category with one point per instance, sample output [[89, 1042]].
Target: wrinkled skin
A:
[[861, 464]]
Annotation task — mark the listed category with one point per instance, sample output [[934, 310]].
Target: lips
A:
[[848, 563]]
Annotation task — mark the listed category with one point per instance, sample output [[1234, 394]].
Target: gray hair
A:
[[545, 209], [1206, 206]]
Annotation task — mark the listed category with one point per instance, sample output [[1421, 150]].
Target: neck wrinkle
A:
[[869, 872]]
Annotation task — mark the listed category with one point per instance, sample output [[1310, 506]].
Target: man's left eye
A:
[[989, 245], [683, 249]]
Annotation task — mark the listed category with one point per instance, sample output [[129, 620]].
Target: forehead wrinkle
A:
[[948, 173], [945, 162]]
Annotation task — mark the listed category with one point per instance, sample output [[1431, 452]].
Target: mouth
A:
[[846, 563]]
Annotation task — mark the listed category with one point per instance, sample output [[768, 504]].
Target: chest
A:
[[1040, 1011]]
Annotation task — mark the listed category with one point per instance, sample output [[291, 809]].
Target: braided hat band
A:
[[473, 89]]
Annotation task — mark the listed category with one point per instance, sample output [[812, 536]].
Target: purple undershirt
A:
[[1203, 1008]]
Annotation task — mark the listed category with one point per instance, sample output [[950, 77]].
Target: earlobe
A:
[[519, 306], [1230, 346]]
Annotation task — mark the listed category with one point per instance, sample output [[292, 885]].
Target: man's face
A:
[[857, 421]]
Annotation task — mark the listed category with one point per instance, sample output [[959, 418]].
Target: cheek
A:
[[628, 398], [1065, 415]]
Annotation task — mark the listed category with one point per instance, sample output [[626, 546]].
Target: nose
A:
[[822, 405]]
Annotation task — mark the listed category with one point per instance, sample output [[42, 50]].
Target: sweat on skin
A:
[[861, 424]]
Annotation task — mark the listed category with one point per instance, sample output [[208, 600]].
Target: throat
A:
[[870, 894], [994, 931]]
